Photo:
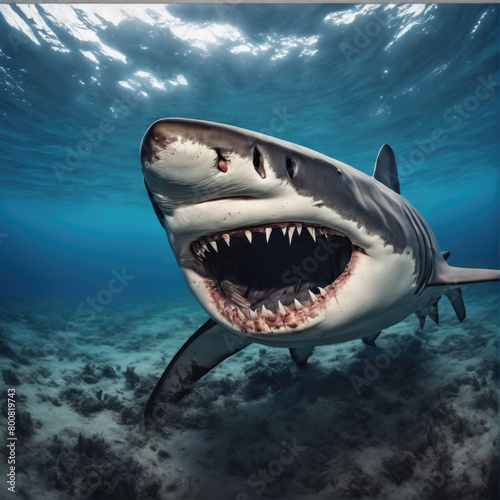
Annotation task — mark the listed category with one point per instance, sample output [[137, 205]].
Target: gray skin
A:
[[372, 203]]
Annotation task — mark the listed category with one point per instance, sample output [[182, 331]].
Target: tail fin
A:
[[453, 277]]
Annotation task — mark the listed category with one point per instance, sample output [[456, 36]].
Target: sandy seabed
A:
[[415, 417]]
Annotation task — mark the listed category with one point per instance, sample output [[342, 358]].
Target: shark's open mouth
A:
[[271, 277]]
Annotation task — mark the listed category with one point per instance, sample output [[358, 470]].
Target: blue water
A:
[[80, 85], [339, 79]]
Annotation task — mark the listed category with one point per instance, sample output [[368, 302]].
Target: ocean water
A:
[[80, 85]]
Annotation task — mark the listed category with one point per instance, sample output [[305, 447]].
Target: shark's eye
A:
[[258, 163], [291, 167], [222, 165], [221, 161]]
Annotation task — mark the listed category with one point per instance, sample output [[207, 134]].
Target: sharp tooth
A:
[[214, 245], [266, 329], [313, 297], [299, 230], [248, 234], [240, 314], [204, 246], [312, 232], [322, 291], [290, 234], [226, 238], [253, 314], [298, 305], [267, 313], [269, 230], [281, 309], [284, 230]]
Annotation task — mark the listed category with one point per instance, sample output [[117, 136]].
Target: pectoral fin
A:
[[204, 350]]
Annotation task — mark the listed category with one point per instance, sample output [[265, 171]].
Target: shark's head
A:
[[277, 242]]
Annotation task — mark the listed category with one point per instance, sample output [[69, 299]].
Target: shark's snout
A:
[[177, 164], [187, 162]]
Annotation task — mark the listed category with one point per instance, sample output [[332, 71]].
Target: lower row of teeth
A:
[[283, 310]]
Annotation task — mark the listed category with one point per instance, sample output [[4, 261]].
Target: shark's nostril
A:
[[291, 167], [258, 163]]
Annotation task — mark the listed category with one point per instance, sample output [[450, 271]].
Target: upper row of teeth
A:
[[291, 230]]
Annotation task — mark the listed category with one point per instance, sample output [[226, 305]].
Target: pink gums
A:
[[293, 318]]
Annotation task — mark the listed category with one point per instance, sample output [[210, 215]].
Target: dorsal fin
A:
[[386, 170]]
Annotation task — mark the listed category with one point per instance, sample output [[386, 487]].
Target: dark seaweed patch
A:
[[131, 415], [86, 404], [91, 469], [399, 468], [7, 351], [131, 378], [108, 371], [10, 378], [89, 375]]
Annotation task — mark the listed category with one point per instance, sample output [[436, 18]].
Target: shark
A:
[[286, 247]]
